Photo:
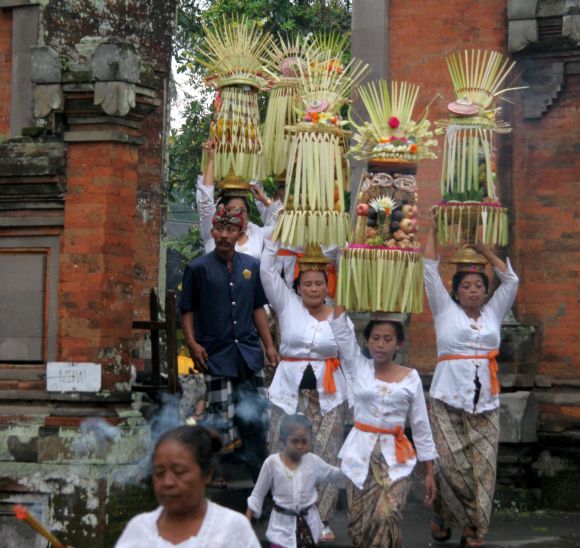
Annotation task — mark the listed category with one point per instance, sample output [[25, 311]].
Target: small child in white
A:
[[292, 476]]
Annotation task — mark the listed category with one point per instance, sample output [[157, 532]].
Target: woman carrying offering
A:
[[464, 396], [309, 377], [376, 457], [292, 476], [183, 465]]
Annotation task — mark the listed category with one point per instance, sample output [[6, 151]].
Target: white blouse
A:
[[221, 528], [293, 490], [454, 380], [303, 336], [383, 405], [256, 234]]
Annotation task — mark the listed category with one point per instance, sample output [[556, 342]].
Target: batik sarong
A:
[[375, 512], [466, 468]]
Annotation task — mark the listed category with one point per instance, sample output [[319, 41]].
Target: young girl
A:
[[376, 457], [183, 465], [292, 475]]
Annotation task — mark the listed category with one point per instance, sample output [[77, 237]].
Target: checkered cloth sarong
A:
[[221, 406]]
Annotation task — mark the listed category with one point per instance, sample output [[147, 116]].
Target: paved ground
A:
[[540, 529], [531, 530]]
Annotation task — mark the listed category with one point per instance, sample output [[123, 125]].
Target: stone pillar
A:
[[370, 42], [5, 71], [24, 36], [97, 259], [371, 35], [97, 249]]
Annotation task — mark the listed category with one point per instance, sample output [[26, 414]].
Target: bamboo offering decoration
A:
[[379, 279], [235, 53], [468, 176], [287, 58], [317, 171], [382, 270], [22, 513]]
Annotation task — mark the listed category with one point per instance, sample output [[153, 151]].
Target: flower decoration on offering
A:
[[381, 269], [470, 209], [287, 57], [317, 171], [236, 55]]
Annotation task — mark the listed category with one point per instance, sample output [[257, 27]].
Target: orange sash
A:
[[403, 448], [493, 367], [290, 253], [330, 270], [332, 277], [331, 365]]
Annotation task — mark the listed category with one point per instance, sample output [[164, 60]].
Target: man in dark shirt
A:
[[223, 320]]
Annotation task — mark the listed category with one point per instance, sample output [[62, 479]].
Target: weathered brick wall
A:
[[547, 231], [546, 243], [149, 24], [5, 70], [96, 263], [151, 202], [422, 34]]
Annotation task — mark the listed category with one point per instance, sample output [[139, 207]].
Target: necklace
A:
[[287, 471]]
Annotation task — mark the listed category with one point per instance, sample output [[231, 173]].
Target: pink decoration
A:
[[470, 204], [394, 122], [318, 106], [385, 248]]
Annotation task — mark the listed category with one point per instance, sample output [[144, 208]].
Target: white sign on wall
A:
[[73, 377]]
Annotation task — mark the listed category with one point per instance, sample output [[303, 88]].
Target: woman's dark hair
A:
[[458, 277], [289, 422], [399, 331], [225, 199], [296, 281], [203, 443]]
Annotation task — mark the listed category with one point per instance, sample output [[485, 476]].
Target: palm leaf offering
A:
[[317, 170], [235, 52], [380, 279], [468, 178], [287, 58], [469, 222], [390, 132], [381, 270]]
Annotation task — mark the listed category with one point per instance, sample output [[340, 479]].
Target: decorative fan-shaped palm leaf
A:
[[478, 75], [326, 84], [235, 51], [287, 57], [333, 43], [390, 126]]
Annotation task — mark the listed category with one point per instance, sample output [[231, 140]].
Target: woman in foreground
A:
[[183, 465]]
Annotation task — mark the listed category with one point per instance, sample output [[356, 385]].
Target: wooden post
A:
[[154, 317], [171, 331]]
